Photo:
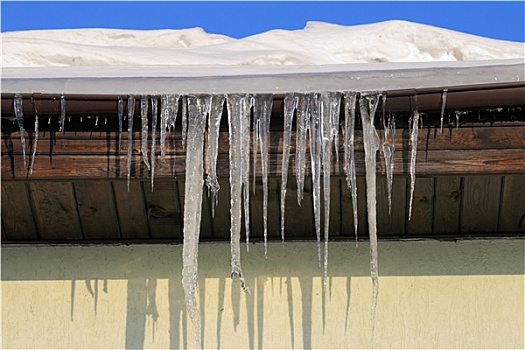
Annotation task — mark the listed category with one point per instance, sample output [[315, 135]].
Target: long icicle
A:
[[388, 148], [212, 151], [413, 142], [349, 163], [19, 114], [302, 123], [289, 108], [120, 103], [192, 209], [154, 107], [35, 143], [315, 157], [164, 115], [235, 104], [263, 112], [443, 106], [245, 122], [368, 106], [184, 120], [131, 113], [62, 114], [144, 104]]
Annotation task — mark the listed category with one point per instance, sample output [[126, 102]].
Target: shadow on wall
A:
[[140, 286]]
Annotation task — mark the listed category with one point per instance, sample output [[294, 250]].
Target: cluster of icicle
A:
[[317, 117]]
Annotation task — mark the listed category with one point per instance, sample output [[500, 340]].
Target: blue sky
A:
[[500, 20]]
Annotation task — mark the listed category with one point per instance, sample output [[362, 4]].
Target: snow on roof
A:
[[386, 54]]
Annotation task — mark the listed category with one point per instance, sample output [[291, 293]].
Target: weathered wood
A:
[[163, 208], [221, 218], [447, 203], [96, 208], [273, 218], [422, 207], [440, 162], [17, 215], [480, 204], [512, 215], [299, 219], [56, 210], [106, 143], [393, 224], [131, 209]]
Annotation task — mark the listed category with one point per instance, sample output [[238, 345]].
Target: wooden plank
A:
[[131, 210], [17, 215], [3, 231], [512, 217], [105, 143], [480, 204], [347, 213], [96, 208], [447, 203], [422, 206], [164, 211], [505, 161], [394, 223], [55, 210]]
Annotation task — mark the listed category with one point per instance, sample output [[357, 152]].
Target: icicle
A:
[[173, 110], [335, 116], [368, 106], [192, 209], [49, 120], [105, 120], [120, 114], [255, 139], [153, 138], [413, 142], [262, 113], [96, 120], [300, 143], [236, 115], [388, 149], [19, 114], [131, 113], [458, 114], [245, 120], [62, 114], [329, 116], [212, 151], [349, 163], [315, 157], [164, 115], [290, 102], [144, 134], [443, 105], [35, 143], [184, 120]]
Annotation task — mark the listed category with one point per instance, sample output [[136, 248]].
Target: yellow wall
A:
[[432, 295]]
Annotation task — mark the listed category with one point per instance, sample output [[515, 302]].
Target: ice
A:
[[368, 106], [315, 157], [413, 142], [96, 120], [154, 107], [19, 114], [131, 113], [388, 148], [120, 114], [144, 135], [330, 121], [443, 106], [290, 103], [184, 120], [164, 115], [262, 114], [212, 151], [237, 121], [245, 121], [62, 114], [302, 123], [35, 143], [349, 157], [173, 110], [198, 108]]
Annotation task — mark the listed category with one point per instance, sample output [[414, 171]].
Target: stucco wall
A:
[[432, 295]]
